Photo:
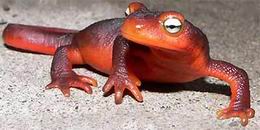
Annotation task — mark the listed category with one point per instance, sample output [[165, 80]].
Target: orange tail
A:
[[36, 38]]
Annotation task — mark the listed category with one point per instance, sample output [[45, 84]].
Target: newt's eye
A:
[[172, 25], [127, 12]]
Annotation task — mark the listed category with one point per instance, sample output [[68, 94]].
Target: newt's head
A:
[[165, 30]]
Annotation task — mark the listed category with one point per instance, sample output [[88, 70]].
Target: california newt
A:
[[146, 45]]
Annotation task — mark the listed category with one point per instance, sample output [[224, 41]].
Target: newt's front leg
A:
[[62, 75], [240, 95], [121, 77]]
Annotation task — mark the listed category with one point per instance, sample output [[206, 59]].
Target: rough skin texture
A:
[[181, 57]]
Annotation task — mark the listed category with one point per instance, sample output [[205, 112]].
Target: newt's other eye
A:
[[127, 12], [172, 25]]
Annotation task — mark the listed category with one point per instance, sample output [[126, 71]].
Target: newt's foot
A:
[[67, 81], [244, 115], [120, 84]]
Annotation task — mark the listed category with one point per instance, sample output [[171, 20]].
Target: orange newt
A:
[[145, 46]]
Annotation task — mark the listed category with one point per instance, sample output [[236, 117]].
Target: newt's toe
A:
[[66, 92], [88, 80], [136, 92], [118, 97], [51, 85]]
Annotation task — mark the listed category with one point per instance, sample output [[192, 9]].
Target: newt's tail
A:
[[38, 39]]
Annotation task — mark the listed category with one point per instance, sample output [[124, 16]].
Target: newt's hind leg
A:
[[62, 75]]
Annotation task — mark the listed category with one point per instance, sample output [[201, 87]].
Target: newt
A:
[[145, 45]]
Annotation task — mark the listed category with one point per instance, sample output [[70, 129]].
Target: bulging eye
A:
[[127, 12], [172, 25]]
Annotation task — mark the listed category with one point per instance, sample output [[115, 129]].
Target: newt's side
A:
[[145, 46]]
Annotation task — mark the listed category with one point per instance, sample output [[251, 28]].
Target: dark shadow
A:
[[89, 68], [199, 85]]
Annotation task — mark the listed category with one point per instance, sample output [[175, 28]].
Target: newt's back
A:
[[96, 41]]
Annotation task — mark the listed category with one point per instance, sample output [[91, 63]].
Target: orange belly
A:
[[98, 58]]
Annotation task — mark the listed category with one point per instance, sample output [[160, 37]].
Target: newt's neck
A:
[[194, 59]]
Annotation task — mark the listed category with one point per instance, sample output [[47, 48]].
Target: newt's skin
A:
[[145, 46]]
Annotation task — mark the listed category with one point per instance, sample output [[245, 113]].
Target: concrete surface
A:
[[232, 27]]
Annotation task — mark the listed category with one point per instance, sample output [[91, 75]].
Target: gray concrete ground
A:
[[232, 27]]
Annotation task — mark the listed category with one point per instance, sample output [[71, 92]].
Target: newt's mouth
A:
[[138, 40], [146, 42]]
